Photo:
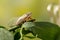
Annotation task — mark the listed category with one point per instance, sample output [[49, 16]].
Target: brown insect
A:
[[24, 18]]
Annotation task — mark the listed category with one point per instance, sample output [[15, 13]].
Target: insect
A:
[[24, 18]]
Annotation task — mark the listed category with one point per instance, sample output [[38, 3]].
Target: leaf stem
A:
[[21, 34]]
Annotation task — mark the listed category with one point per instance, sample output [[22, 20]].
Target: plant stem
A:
[[21, 34]]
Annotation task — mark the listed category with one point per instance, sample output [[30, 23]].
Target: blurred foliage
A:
[[5, 34]]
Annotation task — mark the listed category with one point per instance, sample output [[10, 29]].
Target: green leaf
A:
[[45, 30], [25, 32], [28, 25], [30, 37], [5, 35], [57, 37], [2, 27]]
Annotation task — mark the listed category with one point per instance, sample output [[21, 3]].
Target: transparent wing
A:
[[12, 21]]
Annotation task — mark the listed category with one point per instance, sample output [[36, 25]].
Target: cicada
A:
[[24, 18]]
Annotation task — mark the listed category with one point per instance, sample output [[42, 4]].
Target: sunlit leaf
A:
[[30, 37], [5, 35], [28, 25]]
